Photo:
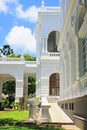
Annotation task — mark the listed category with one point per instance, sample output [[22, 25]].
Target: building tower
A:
[[47, 35]]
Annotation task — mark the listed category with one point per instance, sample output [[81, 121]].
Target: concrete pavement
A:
[[57, 115]]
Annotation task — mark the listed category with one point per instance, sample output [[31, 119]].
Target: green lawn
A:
[[15, 115], [11, 121], [28, 128]]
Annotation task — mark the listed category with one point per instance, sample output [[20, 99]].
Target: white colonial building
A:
[[73, 60], [61, 65], [48, 58]]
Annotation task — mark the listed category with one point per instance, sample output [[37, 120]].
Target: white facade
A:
[[73, 49], [47, 35], [16, 69], [58, 30]]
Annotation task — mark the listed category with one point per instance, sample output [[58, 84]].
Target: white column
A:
[[61, 82], [43, 45], [70, 68], [19, 90], [26, 86], [86, 51], [1, 91], [77, 59], [65, 73], [46, 44]]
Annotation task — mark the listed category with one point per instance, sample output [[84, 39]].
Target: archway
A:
[[7, 87], [54, 88], [53, 39]]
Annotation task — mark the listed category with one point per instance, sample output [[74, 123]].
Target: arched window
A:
[[53, 39], [54, 85]]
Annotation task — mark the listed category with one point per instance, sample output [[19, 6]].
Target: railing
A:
[[50, 9], [10, 59], [5, 59], [54, 54], [50, 55], [30, 62]]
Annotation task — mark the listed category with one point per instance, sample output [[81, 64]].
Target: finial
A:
[[42, 3]]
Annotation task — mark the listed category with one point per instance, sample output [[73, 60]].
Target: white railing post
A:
[[45, 110]]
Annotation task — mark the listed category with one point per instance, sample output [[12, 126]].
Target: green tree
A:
[[6, 50], [26, 57], [31, 85], [9, 88]]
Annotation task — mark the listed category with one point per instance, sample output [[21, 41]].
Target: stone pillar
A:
[[44, 115], [77, 60], [43, 45], [19, 90], [46, 44], [65, 73], [37, 82], [61, 83], [70, 68], [86, 51], [25, 86], [1, 91], [32, 109], [1, 84]]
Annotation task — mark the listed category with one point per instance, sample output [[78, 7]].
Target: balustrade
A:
[[50, 9]]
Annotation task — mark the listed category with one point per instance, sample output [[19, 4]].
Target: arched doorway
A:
[[53, 39], [7, 90], [54, 85]]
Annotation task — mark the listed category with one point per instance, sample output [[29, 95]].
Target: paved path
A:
[[70, 127], [57, 115]]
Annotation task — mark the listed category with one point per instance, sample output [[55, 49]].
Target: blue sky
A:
[[17, 23]]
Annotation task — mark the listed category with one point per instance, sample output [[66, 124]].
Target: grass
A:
[[12, 121], [28, 128], [15, 115]]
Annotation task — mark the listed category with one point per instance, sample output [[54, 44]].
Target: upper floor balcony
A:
[[50, 55], [49, 9]]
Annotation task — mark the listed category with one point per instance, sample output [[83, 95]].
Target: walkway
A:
[[70, 127], [57, 115]]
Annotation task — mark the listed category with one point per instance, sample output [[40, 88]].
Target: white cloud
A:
[[30, 14], [21, 39], [4, 5]]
